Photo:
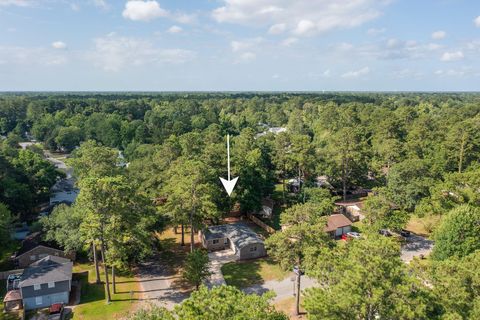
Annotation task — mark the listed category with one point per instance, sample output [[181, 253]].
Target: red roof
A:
[[336, 221]]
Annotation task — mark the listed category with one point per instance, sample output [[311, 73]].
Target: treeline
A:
[[405, 142]]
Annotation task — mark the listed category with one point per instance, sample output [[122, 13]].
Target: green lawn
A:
[[92, 304], [423, 225], [248, 273]]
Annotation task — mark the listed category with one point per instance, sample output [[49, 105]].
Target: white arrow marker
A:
[[229, 184]]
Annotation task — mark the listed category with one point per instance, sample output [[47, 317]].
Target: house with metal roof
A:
[[46, 282], [243, 241]]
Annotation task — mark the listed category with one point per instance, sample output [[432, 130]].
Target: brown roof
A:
[[12, 295], [336, 221]]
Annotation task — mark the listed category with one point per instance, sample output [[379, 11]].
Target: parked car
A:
[[405, 233], [385, 232], [56, 311], [353, 235]]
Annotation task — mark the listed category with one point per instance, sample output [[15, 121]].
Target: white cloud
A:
[[113, 53], [289, 41], [184, 18], [277, 28], [462, 72], [100, 4], [477, 21], [59, 45], [438, 35], [248, 56], [25, 56], [18, 3], [374, 31], [356, 73], [174, 29], [143, 10], [302, 17], [242, 45], [452, 56]]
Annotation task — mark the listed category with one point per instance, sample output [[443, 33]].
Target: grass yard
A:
[[248, 273], [287, 306], [92, 303], [423, 226]]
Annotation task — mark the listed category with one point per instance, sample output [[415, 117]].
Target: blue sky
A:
[[311, 45]]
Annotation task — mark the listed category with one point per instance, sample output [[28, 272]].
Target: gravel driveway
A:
[[415, 247]]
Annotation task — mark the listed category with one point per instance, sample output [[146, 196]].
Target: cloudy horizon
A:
[[239, 45]]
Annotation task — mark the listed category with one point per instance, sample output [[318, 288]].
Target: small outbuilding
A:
[[243, 241]]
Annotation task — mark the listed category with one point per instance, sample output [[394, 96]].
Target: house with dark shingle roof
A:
[[34, 248], [46, 282], [243, 241]]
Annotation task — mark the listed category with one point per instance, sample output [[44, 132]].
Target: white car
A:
[[354, 235]]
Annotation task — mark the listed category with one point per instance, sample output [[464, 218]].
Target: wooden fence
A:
[[4, 274], [260, 223]]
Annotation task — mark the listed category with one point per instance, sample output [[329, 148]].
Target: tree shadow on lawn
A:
[[90, 292], [242, 274]]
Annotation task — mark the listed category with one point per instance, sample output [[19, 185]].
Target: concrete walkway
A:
[[217, 260]]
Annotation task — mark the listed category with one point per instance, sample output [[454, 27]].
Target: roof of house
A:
[[336, 221], [48, 269], [32, 241], [12, 295], [239, 234]]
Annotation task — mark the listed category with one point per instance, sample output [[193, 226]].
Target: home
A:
[[352, 209], [243, 241], [338, 225], [34, 249], [45, 282]]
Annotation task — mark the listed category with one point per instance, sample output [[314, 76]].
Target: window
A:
[[51, 284], [33, 257], [38, 300], [226, 241], [253, 248], [37, 287], [215, 241]]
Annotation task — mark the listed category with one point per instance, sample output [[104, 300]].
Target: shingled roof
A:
[[239, 234], [336, 221], [48, 269]]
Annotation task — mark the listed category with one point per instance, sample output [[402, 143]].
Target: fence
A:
[[260, 223], [4, 274]]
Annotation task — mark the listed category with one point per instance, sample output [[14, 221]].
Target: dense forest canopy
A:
[[405, 142]]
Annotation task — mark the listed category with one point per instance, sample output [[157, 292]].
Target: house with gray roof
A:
[[243, 241], [46, 282]]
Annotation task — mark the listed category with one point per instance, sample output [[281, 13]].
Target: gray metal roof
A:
[[239, 234], [48, 269]]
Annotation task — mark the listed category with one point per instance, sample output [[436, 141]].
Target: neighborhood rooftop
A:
[[48, 269]]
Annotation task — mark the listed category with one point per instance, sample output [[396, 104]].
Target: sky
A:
[[240, 45]]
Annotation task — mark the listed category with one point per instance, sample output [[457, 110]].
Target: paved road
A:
[[415, 247], [157, 285]]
